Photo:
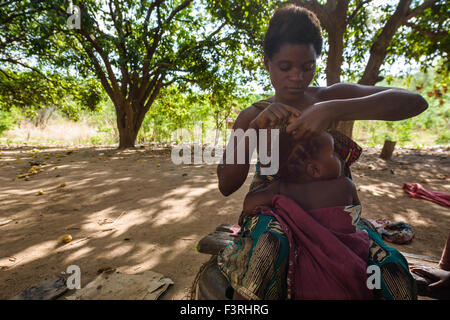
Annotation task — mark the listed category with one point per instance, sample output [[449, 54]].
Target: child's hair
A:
[[295, 25], [294, 156]]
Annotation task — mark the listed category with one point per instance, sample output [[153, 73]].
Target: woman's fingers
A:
[[425, 272], [436, 285], [275, 114], [298, 131], [291, 110], [278, 113], [441, 278]]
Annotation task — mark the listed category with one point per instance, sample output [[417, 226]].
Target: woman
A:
[[291, 46]]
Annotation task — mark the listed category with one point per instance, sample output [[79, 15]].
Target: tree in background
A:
[[135, 48], [364, 37], [25, 83]]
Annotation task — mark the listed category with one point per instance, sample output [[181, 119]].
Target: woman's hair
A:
[[294, 156], [295, 25]]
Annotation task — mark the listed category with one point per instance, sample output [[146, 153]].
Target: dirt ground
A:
[[135, 210]]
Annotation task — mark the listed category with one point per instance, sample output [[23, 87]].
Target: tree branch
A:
[[355, 12], [118, 23], [415, 12], [379, 46], [100, 74], [316, 7], [427, 33]]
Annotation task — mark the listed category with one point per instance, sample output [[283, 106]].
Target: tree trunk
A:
[[127, 137], [127, 129], [346, 127], [336, 26], [335, 56]]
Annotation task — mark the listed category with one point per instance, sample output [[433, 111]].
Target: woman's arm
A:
[[233, 175], [381, 104], [390, 105]]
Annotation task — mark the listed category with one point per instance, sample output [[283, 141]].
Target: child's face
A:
[[329, 164]]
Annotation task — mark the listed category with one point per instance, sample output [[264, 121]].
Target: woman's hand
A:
[[440, 278], [314, 119], [275, 115]]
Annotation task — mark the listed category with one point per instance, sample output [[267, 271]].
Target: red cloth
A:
[[328, 258], [416, 190]]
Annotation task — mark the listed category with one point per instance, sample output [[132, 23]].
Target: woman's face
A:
[[291, 70]]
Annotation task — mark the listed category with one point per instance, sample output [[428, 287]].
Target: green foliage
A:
[[213, 48], [8, 119], [431, 126], [175, 109], [31, 91]]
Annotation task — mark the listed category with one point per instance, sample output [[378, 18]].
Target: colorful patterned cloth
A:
[[328, 258], [257, 263], [395, 232]]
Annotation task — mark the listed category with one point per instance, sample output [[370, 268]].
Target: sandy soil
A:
[[136, 210]]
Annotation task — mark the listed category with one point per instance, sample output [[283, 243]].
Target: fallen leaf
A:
[[40, 192], [66, 238]]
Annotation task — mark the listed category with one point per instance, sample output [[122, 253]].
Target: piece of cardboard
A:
[[148, 285]]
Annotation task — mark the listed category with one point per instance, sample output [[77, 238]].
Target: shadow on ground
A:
[[135, 210]]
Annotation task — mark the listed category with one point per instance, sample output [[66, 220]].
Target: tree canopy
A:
[[135, 48]]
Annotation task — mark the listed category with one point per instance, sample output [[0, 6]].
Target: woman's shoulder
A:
[[262, 104], [258, 106]]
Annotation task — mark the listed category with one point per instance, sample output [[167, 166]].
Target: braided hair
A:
[[294, 156]]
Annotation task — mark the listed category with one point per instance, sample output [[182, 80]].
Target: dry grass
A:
[[56, 132]]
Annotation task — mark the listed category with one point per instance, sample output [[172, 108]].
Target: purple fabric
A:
[[327, 258], [415, 190]]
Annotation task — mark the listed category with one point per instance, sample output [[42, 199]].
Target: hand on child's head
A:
[[291, 118]]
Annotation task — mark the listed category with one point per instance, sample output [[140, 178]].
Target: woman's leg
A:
[[444, 264]]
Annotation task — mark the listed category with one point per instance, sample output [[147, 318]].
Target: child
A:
[[317, 207], [311, 175]]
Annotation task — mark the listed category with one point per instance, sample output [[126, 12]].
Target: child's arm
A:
[[261, 197]]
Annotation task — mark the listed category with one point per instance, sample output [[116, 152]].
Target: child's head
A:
[[314, 159]]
